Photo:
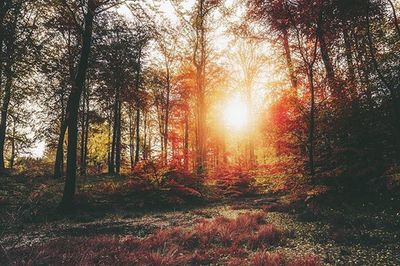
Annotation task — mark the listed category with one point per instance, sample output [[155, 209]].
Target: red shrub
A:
[[267, 234], [268, 259], [233, 182]]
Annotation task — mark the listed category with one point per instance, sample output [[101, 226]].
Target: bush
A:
[[233, 182]]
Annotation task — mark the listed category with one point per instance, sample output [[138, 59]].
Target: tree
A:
[[90, 9]]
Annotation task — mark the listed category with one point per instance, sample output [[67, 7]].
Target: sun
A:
[[236, 114]]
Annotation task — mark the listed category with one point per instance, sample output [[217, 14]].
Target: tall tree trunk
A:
[[186, 143], [83, 134], [395, 20], [137, 88], [58, 164], [85, 146], [118, 140], [166, 124], [312, 122], [144, 146], [349, 57], [330, 73], [9, 76], [199, 61], [289, 62], [131, 137], [73, 107], [137, 149], [4, 113], [12, 157]]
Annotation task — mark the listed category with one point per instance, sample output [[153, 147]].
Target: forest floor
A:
[[348, 234]]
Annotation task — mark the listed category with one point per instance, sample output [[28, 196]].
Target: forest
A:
[[200, 132]]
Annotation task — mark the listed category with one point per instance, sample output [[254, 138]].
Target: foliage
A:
[[233, 181]]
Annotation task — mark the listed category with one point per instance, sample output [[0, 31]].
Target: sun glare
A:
[[236, 114]]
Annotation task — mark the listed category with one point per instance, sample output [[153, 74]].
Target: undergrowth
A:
[[246, 240]]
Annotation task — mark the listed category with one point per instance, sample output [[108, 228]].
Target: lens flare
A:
[[236, 114]]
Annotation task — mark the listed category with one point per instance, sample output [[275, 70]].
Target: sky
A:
[[222, 43]]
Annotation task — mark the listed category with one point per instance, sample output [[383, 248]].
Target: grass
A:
[[239, 241]]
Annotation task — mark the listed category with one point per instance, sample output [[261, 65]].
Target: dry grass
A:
[[221, 240]]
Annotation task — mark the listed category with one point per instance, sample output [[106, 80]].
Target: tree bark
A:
[[395, 21], [137, 88], [131, 137], [166, 123], [186, 143], [72, 110], [289, 62], [118, 140], [58, 164], [9, 76], [330, 73], [83, 134], [12, 139], [349, 56], [312, 122], [86, 141]]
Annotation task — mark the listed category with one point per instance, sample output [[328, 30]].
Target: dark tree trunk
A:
[[58, 164], [186, 143], [72, 110], [85, 145], [111, 169], [131, 137], [349, 58], [12, 158], [137, 149], [83, 134], [9, 62], [4, 113], [312, 122], [395, 21], [118, 140], [330, 73]]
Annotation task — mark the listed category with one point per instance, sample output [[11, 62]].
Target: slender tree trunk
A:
[[85, 149], [137, 149], [58, 164], [289, 62], [137, 88], [349, 56], [199, 61], [4, 111], [131, 137], [330, 73], [72, 110], [109, 141], [186, 143], [312, 122], [12, 157], [114, 148], [144, 147], [395, 20], [9, 62], [118, 140], [166, 124], [83, 134]]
